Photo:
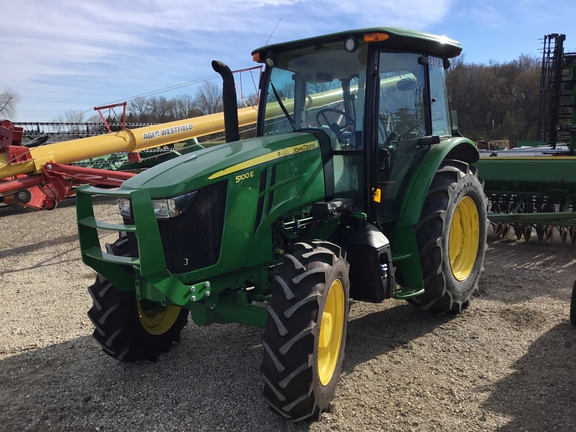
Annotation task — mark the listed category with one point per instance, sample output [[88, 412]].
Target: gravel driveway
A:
[[507, 363]]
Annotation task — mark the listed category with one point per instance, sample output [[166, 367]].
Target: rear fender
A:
[[455, 148], [403, 238]]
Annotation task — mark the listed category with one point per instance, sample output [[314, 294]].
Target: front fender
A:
[[454, 148]]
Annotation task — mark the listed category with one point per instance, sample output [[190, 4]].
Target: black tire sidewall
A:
[[291, 337], [461, 291], [326, 392], [119, 328]]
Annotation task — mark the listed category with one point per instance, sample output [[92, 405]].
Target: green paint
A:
[[417, 189], [270, 184]]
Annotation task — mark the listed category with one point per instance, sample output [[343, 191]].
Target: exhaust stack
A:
[[229, 101]]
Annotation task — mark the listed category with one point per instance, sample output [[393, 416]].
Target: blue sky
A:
[[62, 55]]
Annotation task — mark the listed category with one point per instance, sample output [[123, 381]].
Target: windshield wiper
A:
[[282, 107]]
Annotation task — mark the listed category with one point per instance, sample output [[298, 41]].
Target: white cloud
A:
[[99, 51]]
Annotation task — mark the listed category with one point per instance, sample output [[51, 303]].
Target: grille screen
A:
[[192, 240]]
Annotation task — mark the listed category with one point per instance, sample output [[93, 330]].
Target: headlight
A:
[[124, 207], [163, 208], [171, 207]]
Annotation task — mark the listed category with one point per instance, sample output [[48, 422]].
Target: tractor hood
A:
[[195, 170]]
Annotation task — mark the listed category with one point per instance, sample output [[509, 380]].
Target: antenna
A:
[[273, 31]]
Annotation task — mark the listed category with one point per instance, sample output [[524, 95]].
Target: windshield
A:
[[320, 89], [324, 87]]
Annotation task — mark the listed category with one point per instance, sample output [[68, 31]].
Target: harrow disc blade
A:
[[518, 231], [505, 230], [563, 234], [549, 233], [527, 232], [498, 230], [540, 232]]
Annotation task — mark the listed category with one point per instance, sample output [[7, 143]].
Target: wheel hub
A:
[[464, 238], [157, 323], [326, 330], [331, 332]]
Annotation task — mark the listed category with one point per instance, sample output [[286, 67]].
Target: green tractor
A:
[[354, 187]]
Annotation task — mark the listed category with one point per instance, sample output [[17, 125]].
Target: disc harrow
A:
[[532, 188], [526, 214]]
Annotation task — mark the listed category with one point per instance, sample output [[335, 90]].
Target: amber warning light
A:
[[375, 37]]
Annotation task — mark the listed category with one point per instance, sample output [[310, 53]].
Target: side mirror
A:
[[384, 156], [454, 120]]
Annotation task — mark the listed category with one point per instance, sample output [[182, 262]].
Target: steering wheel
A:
[[342, 131]]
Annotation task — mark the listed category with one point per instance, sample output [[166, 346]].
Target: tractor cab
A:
[[381, 107]]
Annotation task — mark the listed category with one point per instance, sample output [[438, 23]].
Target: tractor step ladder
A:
[[403, 293]]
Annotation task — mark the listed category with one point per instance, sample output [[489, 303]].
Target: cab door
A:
[[401, 120]]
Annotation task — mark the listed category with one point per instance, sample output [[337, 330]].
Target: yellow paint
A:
[[265, 158], [124, 141], [331, 332], [244, 176], [155, 136], [464, 238], [157, 323]]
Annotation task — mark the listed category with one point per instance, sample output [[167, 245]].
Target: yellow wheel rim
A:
[[464, 238], [157, 323], [331, 331]]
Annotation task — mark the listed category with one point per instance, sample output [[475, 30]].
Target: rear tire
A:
[[451, 238], [305, 332], [125, 328]]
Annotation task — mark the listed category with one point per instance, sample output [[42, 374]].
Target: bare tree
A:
[[209, 98], [161, 109], [74, 116], [138, 109], [8, 101], [185, 107], [250, 100], [70, 116]]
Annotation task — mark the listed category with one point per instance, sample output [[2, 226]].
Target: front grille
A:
[[192, 240]]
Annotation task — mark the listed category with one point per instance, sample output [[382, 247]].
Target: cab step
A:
[[403, 293]]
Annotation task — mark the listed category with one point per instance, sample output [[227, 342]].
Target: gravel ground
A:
[[507, 363]]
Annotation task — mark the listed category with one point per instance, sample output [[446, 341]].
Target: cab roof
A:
[[399, 39]]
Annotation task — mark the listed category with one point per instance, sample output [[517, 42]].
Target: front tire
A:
[[305, 332], [451, 238], [127, 329]]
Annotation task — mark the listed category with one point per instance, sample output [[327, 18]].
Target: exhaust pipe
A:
[[229, 101]]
